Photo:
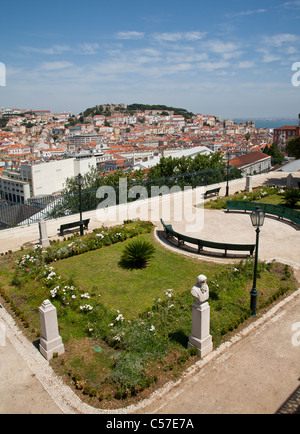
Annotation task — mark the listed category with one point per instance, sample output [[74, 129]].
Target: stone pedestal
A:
[[200, 337], [44, 242], [289, 182], [50, 341], [249, 183]]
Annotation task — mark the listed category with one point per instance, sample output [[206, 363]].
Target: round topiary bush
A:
[[137, 254]]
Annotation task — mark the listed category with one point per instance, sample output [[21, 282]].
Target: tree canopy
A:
[[273, 151], [293, 147], [99, 110]]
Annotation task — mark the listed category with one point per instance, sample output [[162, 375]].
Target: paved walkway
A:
[[256, 372]]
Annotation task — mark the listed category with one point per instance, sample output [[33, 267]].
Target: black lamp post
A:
[[227, 186], [257, 219], [80, 183]]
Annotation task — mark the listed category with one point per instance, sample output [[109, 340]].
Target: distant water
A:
[[270, 123]]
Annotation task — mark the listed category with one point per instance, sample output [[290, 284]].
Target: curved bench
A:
[[169, 231], [280, 211]]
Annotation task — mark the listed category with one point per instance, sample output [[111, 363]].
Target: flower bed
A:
[[272, 195], [138, 352]]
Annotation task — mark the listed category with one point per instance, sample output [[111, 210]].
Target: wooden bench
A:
[[73, 225], [214, 191], [280, 211], [169, 231]]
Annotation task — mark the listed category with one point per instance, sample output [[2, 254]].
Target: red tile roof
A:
[[249, 158]]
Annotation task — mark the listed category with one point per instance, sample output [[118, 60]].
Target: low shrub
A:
[[291, 197], [137, 254]]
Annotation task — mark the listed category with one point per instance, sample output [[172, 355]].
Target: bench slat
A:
[[73, 225], [202, 243]]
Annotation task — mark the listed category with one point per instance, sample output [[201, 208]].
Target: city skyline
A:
[[226, 59]]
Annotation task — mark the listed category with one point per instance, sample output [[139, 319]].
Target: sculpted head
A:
[[201, 290]]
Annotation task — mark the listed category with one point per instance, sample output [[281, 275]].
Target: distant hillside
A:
[[108, 109], [163, 108]]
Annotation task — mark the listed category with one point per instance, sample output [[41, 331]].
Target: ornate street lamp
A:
[[257, 219], [80, 184]]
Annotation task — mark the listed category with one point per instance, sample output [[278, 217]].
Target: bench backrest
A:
[[74, 224], [267, 208], [214, 190], [211, 244]]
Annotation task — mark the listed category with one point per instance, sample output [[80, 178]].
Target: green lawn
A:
[[265, 194], [132, 291]]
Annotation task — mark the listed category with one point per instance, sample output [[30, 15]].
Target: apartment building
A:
[[14, 186], [36, 180], [81, 139], [282, 134]]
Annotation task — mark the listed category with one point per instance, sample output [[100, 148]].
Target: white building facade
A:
[[36, 180]]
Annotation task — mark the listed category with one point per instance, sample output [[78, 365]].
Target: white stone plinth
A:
[[200, 337], [249, 183], [44, 242], [50, 341]]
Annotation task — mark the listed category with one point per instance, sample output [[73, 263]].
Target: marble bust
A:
[[201, 290]]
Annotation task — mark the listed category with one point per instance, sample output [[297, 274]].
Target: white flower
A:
[[169, 293], [120, 317], [73, 296], [51, 275], [152, 328], [53, 292], [86, 307], [86, 295], [111, 325]]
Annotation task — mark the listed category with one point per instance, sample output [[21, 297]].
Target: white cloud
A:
[[212, 66], [245, 13], [269, 57], [221, 47], [194, 36], [291, 5], [281, 39], [180, 36], [55, 66], [246, 64], [88, 48], [56, 49], [84, 48], [129, 35]]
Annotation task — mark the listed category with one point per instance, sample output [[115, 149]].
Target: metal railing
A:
[[51, 207]]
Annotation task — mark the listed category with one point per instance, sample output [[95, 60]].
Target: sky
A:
[[232, 59]]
